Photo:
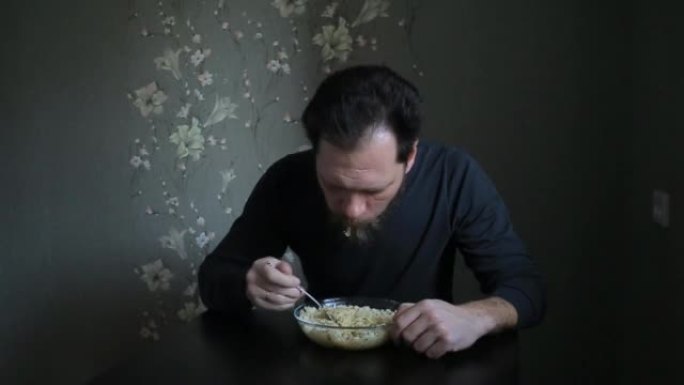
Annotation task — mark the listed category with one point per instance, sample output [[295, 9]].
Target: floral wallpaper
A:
[[225, 79]]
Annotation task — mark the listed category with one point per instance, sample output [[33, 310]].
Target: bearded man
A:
[[373, 211]]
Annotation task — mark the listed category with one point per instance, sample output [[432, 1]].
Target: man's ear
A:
[[411, 157]]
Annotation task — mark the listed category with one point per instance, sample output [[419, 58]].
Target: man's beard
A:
[[356, 232], [363, 232]]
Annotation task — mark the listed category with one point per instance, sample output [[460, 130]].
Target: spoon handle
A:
[[306, 293]]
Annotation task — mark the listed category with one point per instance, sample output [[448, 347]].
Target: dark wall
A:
[[539, 92], [653, 311], [66, 293]]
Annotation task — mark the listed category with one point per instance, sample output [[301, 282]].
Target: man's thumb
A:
[[284, 268]]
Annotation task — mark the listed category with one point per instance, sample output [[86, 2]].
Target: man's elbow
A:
[[528, 297]]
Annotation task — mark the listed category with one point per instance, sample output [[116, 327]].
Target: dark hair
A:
[[352, 101]]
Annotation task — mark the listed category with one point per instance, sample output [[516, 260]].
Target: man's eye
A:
[[374, 193]]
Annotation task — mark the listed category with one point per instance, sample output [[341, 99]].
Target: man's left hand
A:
[[435, 327]]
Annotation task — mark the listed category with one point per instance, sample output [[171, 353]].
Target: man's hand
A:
[[435, 327], [271, 284]]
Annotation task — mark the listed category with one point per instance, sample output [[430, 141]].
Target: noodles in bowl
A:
[[348, 323]]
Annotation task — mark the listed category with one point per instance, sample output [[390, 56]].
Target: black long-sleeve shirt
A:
[[447, 203]]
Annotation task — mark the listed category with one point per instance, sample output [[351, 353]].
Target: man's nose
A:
[[354, 207]]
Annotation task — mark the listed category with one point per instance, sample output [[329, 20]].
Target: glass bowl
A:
[[345, 337]]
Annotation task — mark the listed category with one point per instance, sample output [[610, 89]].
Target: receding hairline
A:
[[382, 128]]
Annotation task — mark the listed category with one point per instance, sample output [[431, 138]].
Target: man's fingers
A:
[[403, 307], [411, 332], [403, 318], [284, 267], [271, 284], [438, 349], [269, 300], [289, 292], [273, 275], [425, 341], [277, 299]]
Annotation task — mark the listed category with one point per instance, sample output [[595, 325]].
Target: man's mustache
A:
[[360, 231]]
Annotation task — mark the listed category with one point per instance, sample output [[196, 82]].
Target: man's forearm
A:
[[221, 285], [494, 314]]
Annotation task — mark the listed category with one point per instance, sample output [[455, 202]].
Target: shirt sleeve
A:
[[255, 234], [492, 250]]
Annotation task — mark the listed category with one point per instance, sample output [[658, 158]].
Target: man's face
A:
[[360, 184]]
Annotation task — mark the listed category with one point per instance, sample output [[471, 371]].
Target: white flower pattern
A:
[[191, 310], [336, 43], [223, 108], [371, 10], [189, 140], [156, 276], [289, 7], [184, 111], [190, 290], [195, 102], [199, 56], [330, 10], [149, 331], [203, 239], [150, 99], [169, 62], [175, 241], [169, 21], [136, 161], [227, 176], [206, 78]]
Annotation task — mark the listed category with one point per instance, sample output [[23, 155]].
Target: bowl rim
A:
[[325, 301]]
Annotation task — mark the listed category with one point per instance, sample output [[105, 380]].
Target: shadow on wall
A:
[[71, 338]]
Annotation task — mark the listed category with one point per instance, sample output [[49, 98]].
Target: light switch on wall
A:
[[661, 208]]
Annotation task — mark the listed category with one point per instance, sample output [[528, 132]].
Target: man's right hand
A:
[[272, 285]]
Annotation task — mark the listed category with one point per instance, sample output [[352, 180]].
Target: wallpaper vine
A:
[[229, 75]]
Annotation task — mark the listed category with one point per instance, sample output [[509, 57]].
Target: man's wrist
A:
[[492, 314]]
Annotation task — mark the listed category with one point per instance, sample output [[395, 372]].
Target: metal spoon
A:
[[325, 310], [311, 297]]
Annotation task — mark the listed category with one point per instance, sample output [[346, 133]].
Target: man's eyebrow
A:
[[378, 189], [366, 190]]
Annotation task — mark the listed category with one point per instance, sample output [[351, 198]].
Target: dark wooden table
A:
[[270, 349]]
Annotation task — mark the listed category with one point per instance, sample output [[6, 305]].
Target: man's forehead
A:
[[365, 168], [365, 181], [376, 150]]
